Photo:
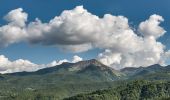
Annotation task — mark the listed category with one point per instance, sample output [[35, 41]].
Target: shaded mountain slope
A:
[[153, 72]]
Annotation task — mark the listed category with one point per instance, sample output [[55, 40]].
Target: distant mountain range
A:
[[69, 79], [92, 70], [153, 72], [96, 71]]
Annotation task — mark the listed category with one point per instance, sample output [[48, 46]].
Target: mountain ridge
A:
[[69, 79], [81, 65]]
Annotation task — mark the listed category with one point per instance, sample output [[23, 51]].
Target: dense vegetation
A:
[[136, 90], [47, 91]]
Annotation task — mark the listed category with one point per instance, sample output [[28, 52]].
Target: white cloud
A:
[[147, 52], [54, 63], [78, 30], [165, 57], [151, 27], [7, 66], [17, 17], [14, 31], [108, 57], [76, 59]]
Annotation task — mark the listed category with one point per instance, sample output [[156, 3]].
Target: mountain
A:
[[133, 70], [130, 71], [60, 81], [153, 83], [90, 70], [69, 79], [153, 72]]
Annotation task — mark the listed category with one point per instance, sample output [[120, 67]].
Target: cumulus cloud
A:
[[109, 58], [14, 31], [54, 63], [73, 29], [16, 17], [7, 66], [151, 27], [78, 30], [74, 60]]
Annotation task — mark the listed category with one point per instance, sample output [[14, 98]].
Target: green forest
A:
[[135, 90]]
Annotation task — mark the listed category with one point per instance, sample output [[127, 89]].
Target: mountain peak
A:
[[94, 62], [83, 64], [155, 66]]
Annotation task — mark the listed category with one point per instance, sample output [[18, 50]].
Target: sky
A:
[[140, 39]]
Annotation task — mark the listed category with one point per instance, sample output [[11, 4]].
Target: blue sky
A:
[[135, 10]]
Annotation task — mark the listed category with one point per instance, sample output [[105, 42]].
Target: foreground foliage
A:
[[136, 90]]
